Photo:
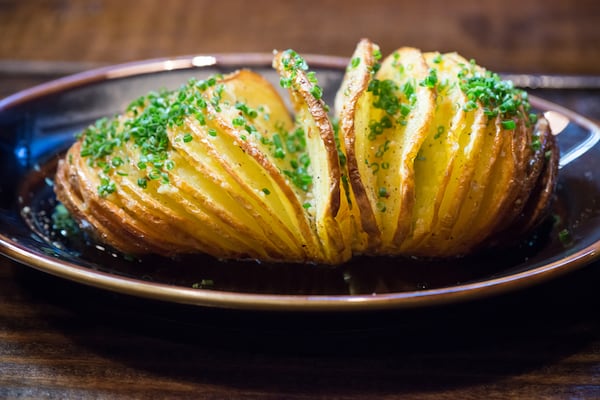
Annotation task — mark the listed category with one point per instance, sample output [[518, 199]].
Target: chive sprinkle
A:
[[565, 237], [145, 123], [496, 96], [509, 124], [431, 80], [292, 62]]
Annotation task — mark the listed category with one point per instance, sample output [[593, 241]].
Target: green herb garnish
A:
[[431, 80], [63, 222], [496, 96], [146, 123], [565, 237]]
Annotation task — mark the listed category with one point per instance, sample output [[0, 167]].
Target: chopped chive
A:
[[377, 54], [317, 92], [496, 96], [509, 124], [106, 187], [565, 237], [238, 121], [405, 110], [431, 80]]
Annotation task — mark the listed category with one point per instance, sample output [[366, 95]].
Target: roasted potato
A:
[[229, 173], [447, 156], [432, 156]]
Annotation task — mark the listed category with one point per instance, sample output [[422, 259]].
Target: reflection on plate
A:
[[38, 124]]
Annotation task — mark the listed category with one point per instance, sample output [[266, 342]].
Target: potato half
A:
[[235, 177], [464, 163]]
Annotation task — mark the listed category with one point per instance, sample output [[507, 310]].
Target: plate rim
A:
[[257, 301]]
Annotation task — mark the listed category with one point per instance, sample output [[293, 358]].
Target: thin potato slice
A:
[[403, 108], [501, 190], [433, 167], [325, 196], [352, 106], [540, 198], [490, 150], [513, 200]]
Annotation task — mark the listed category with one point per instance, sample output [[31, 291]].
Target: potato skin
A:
[[539, 189], [419, 167]]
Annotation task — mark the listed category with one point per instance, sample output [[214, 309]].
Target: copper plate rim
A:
[[250, 301]]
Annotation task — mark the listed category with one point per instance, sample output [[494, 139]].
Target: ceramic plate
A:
[[38, 124]]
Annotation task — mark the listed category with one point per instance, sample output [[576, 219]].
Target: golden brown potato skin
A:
[[418, 167], [538, 190]]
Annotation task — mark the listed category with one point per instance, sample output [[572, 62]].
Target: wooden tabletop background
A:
[[66, 341], [549, 36]]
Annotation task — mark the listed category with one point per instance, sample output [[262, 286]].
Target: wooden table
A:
[[63, 340], [60, 340]]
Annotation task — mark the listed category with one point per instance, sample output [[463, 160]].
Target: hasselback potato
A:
[[423, 154]]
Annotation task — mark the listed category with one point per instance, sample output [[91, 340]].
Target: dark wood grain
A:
[[62, 340], [559, 36]]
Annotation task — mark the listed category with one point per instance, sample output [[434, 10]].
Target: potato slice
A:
[[352, 107], [502, 189], [465, 162], [324, 196], [404, 108], [538, 171], [540, 196], [461, 240], [433, 167]]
